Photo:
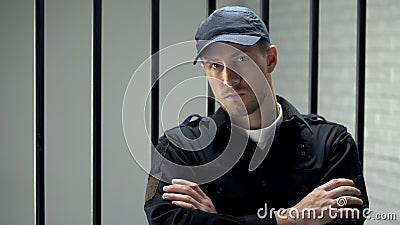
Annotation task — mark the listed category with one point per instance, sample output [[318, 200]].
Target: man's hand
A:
[[188, 195], [326, 202]]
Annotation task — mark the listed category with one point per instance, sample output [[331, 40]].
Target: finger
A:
[[347, 200], [179, 197], [184, 205], [191, 184], [183, 181], [344, 190], [184, 189], [334, 183]]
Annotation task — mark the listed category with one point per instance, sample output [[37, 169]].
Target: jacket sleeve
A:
[[163, 212], [343, 162]]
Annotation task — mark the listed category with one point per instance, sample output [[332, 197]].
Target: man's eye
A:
[[215, 65], [242, 58]]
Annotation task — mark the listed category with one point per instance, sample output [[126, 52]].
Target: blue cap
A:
[[235, 24]]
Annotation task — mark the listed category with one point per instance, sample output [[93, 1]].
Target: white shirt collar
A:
[[265, 136]]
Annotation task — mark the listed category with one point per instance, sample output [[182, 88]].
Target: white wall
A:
[[126, 44], [67, 111], [382, 152], [16, 112]]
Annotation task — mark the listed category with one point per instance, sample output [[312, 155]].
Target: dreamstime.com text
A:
[[333, 213]]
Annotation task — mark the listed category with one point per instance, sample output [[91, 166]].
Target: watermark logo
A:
[[341, 201]]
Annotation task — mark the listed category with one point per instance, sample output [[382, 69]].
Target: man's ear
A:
[[272, 58]]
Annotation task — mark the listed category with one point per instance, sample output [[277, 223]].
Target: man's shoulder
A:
[[189, 127], [194, 133], [194, 125], [314, 122], [323, 132]]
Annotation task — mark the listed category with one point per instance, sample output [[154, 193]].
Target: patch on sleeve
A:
[[152, 183]]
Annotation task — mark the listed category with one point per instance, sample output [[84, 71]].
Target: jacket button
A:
[[302, 146], [303, 153], [303, 188], [219, 190]]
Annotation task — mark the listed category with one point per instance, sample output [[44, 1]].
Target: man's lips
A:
[[233, 95]]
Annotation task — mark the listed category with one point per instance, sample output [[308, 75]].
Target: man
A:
[[264, 162]]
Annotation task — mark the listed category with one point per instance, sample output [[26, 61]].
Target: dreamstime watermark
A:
[[323, 213]]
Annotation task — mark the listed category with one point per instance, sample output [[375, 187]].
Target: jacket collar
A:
[[220, 117], [290, 113]]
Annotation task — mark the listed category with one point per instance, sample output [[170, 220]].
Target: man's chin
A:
[[235, 111]]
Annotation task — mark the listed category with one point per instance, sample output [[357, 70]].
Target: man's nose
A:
[[229, 77]]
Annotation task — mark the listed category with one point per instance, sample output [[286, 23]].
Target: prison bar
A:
[[360, 76], [265, 12], [96, 116], [155, 89], [39, 111], [314, 46], [211, 6]]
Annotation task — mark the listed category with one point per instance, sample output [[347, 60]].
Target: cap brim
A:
[[240, 39]]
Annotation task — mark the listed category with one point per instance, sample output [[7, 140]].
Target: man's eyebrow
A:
[[236, 53], [209, 60], [239, 52]]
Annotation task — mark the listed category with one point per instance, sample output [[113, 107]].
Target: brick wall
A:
[[382, 153]]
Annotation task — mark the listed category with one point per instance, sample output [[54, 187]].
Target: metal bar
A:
[[314, 45], [360, 80], [155, 90], [211, 6], [96, 123], [39, 114], [265, 12]]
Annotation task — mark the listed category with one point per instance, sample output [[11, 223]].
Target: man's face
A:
[[239, 75]]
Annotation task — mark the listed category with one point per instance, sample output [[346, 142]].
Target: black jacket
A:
[[307, 152]]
